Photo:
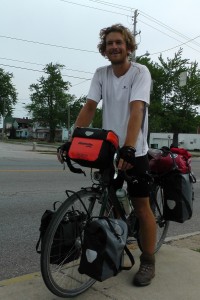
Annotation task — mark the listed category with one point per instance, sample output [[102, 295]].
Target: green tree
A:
[[97, 121], [156, 106], [8, 94], [173, 108], [50, 100], [180, 102], [76, 107]]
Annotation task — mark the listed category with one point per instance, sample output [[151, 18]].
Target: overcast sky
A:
[[34, 33]]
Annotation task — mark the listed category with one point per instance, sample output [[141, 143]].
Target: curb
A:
[[181, 237], [19, 279]]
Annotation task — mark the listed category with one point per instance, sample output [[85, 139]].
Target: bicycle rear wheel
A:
[[64, 279], [157, 204]]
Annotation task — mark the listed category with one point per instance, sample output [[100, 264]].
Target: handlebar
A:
[[128, 178]]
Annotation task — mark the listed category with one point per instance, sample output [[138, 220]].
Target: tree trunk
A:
[[175, 139], [52, 135]]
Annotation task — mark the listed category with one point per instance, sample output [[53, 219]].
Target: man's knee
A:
[[142, 207]]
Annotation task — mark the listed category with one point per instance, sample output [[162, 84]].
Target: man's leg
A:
[[147, 240]]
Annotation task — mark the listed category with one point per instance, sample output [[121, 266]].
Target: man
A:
[[124, 88]]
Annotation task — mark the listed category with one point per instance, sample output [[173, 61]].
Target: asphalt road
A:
[[29, 184]]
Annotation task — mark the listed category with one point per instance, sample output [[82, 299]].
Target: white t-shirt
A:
[[116, 94]]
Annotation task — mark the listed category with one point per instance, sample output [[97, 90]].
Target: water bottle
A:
[[124, 201]]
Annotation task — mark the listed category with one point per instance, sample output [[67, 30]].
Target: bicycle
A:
[[63, 279]]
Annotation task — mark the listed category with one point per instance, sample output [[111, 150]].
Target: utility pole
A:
[[3, 117], [133, 58], [68, 117]]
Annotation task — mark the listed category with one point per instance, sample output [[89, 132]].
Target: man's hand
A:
[[126, 158], [62, 151]]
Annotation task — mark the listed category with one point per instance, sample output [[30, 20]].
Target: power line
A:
[[125, 8], [91, 51], [176, 46], [84, 50], [33, 63], [113, 5], [152, 19], [92, 7], [165, 26], [46, 44], [34, 70], [171, 36]]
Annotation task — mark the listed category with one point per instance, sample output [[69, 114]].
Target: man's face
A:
[[116, 49]]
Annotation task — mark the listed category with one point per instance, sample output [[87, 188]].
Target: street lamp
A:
[[145, 54]]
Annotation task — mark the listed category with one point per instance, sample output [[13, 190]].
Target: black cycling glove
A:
[[127, 153]]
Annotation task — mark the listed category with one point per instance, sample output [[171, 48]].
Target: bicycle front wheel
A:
[[157, 205], [62, 278]]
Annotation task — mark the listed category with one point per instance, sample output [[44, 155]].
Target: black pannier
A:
[[174, 167], [178, 196], [64, 249], [103, 246]]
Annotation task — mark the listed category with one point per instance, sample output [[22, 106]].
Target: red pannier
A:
[[92, 147], [165, 160]]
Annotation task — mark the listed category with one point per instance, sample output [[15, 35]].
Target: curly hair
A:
[[126, 33]]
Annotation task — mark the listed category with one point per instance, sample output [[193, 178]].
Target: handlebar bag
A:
[[92, 147]]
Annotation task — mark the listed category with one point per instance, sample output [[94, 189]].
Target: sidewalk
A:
[[177, 278]]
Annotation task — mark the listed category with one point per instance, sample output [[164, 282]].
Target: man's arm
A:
[[133, 129], [134, 123], [86, 114]]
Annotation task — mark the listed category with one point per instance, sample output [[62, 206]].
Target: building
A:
[[25, 128], [17, 127], [188, 141]]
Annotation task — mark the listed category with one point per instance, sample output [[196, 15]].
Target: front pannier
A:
[[64, 248], [92, 147], [103, 246]]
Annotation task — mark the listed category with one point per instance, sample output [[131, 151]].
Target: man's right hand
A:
[[126, 158]]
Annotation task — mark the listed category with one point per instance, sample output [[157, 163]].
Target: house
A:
[[17, 127], [42, 133], [25, 128]]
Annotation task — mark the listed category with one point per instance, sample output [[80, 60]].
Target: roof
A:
[[23, 120]]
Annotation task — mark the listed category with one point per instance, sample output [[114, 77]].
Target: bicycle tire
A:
[[157, 203], [65, 280], [157, 206]]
